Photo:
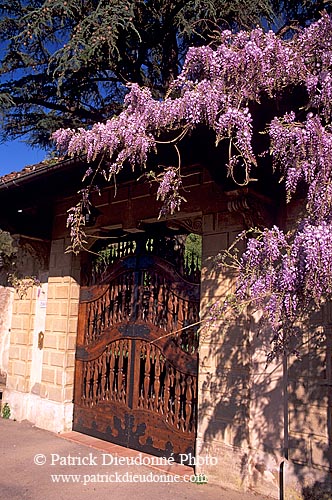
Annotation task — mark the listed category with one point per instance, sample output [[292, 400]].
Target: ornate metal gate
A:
[[135, 384]]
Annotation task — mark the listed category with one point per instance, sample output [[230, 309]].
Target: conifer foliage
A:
[[66, 63]]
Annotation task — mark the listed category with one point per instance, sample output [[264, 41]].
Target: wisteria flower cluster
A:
[[170, 184], [22, 285], [214, 88], [286, 276], [283, 274], [76, 223]]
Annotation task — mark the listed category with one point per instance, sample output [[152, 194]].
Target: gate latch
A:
[[40, 340]]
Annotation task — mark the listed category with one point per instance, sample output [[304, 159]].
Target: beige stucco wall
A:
[[252, 418], [224, 397], [41, 377], [259, 422], [6, 306]]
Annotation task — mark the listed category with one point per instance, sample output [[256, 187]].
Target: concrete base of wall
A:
[[45, 414], [303, 481], [237, 468], [266, 473]]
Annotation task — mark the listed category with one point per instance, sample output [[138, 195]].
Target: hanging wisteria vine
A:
[[286, 275]]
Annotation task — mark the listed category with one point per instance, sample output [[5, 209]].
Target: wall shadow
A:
[[258, 416]]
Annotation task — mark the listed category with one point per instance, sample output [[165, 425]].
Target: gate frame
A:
[[184, 364]]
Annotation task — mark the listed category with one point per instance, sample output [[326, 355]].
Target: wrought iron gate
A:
[[135, 384]]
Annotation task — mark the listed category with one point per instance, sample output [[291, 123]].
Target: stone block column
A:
[[223, 384], [240, 402], [42, 347], [6, 307], [25, 357], [57, 377], [20, 353]]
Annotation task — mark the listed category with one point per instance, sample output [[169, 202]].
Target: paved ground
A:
[[39, 465]]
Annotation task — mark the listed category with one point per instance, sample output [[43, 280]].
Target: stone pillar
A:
[[23, 365], [6, 307], [240, 410], [268, 404], [224, 367], [21, 371], [57, 377], [309, 411], [42, 350], [18, 373]]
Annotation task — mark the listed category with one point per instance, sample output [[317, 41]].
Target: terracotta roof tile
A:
[[29, 169]]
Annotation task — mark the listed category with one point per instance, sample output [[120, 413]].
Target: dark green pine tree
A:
[[66, 63]]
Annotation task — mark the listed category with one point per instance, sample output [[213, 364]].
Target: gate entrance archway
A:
[[136, 357]]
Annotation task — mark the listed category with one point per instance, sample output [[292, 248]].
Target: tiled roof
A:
[[29, 170], [26, 170]]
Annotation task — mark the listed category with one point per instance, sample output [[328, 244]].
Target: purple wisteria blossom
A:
[[170, 184], [285, 275], [303, 151]]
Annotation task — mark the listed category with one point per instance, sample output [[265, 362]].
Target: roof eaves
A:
[[29, 173]]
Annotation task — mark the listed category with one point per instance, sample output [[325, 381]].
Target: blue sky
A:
[[16, 155]]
